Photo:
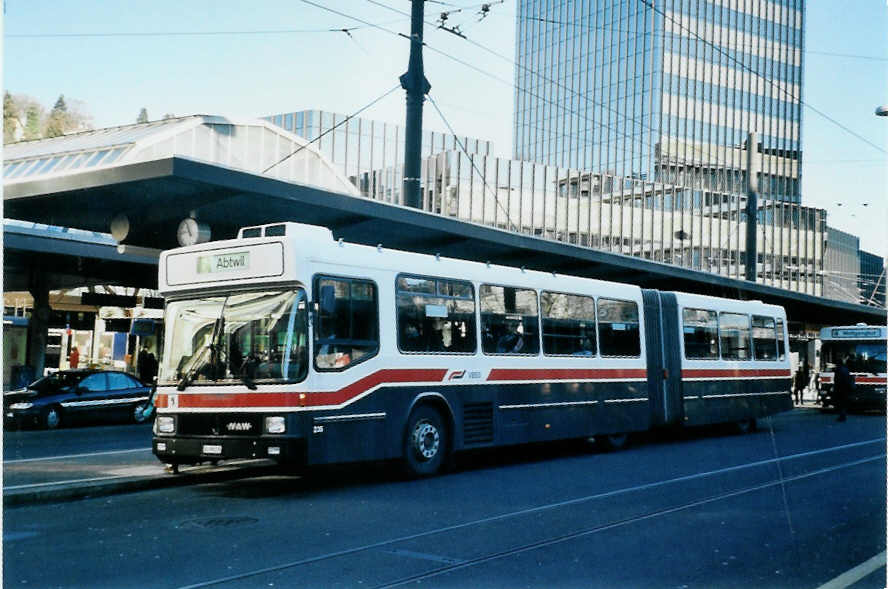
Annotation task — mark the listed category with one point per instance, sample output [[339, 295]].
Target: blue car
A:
[[70, 396]]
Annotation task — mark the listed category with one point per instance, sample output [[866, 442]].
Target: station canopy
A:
[[251, 145]]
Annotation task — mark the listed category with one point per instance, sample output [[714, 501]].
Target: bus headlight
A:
[[275, 425], [165, 424]]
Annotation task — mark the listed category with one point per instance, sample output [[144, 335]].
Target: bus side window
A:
[[700, 329], [347, 327], [733, 329], [435, 315], [568, 324], [509, 322], [763, 338], [618, 328]]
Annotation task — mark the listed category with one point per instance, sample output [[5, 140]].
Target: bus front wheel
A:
[[425, 442]]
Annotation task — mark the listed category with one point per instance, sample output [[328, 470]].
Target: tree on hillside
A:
[[60, 105], [11, 119], [58, 121], [143, 116], [33, 121]]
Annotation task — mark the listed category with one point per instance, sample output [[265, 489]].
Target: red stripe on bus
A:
[[859, 379], [870, 379], [828, 378], [566, 373], [347, 393], [733, 373]]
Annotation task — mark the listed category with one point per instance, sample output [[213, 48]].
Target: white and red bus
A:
[[864, 348], [285, 343]]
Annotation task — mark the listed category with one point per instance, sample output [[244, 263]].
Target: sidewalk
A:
[[28, 482]]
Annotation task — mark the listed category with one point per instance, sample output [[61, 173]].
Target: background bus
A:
[[865, 348]]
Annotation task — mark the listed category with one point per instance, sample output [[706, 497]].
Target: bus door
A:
[[663, 357]]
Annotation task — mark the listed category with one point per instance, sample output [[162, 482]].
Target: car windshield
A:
[[862, 356], [55, 382], [256, 336]]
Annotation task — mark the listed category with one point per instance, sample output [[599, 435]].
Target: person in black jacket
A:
[[803, 375], [843, 384]]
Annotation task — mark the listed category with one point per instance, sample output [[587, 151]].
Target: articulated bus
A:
[[286, 344], [864, 348]]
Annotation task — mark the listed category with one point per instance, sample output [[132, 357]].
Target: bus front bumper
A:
[[191, 450]]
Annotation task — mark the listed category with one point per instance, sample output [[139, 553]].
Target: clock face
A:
[[188, 232]]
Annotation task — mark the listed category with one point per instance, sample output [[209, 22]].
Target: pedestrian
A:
[[147, 364], [843, 384], [802, 376], [74, 358]]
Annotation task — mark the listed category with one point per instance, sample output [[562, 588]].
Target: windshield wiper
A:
[[188, 377], [200, 362]]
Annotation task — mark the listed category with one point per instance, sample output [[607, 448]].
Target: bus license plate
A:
[[215, 449]]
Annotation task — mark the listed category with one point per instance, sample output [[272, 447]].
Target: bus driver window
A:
[[347, 330]]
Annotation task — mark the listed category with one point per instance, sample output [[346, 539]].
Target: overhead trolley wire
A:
[[659, 34], [334, 127], [619, 116], [190, 33], [474, 165]]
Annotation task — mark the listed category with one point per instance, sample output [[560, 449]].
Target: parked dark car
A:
[[70, 396]]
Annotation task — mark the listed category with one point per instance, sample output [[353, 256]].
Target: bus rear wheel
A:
[[425, 442]]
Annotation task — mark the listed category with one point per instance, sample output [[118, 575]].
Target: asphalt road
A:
[[792, 505], [31, 444]]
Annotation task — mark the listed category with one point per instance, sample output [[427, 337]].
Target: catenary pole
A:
[[416, 85], [752, 188]]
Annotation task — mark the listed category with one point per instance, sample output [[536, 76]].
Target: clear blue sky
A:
[[246, 75]]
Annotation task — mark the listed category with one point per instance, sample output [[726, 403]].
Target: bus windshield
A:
[[863, 356], [256, 336]]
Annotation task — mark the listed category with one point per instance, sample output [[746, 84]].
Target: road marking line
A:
[[20, 460], [160, 470], [848, 578], [54, 483]]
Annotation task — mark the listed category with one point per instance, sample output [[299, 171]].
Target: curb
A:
[[86, 490]]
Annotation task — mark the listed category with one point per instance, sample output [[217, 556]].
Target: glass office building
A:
[[662, 90], [659, 97]]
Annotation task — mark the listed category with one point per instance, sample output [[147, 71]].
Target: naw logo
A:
[[239, 426]]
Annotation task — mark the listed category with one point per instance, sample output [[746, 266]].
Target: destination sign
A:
[[856, 333], [219, 264], [229, 262]]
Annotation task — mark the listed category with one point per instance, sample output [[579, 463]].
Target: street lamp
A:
[[882, 111]]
